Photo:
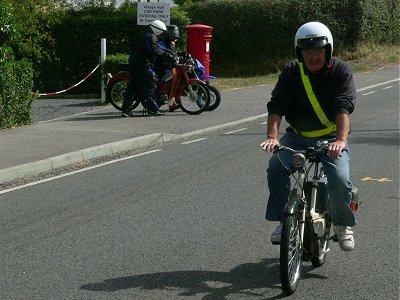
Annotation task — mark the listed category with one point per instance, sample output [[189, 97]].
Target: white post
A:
[[103, 76]]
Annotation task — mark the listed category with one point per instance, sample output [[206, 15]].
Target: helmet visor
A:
[[317, 42]]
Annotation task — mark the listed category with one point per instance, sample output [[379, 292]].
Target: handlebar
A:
[[321, 147]]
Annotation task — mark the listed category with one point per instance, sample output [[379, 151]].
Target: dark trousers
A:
[[142, 82]]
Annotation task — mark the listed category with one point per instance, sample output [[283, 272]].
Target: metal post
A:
[[103, 75]]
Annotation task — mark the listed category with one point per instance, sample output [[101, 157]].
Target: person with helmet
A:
[[165, 65], [141, 75], [316, 94]]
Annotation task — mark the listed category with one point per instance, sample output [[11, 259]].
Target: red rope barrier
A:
[[70, 88]]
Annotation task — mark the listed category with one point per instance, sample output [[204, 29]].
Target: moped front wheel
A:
[[115, 94], [195, 98], [291, 253]]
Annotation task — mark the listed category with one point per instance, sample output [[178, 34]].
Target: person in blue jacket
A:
[[164, 65]]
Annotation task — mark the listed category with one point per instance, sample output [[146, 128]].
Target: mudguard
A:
[[295, 204], [120, 76]]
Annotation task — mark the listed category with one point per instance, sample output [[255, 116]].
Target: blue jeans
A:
[[338, 176]]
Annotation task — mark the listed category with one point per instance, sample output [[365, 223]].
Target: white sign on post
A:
[[147, 12]]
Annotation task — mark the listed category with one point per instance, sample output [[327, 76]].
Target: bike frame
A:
[[307, 221], [300, 199]]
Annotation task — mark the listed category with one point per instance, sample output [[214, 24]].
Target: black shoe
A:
[[127, 114], [155, 113]]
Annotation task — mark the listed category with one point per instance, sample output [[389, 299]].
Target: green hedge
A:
[[16, 85], [257, 36], [111, 63]]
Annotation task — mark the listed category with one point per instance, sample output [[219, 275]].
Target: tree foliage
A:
[[34, 20], [7, 24]]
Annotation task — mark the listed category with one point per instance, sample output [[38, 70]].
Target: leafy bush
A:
[[16, 79], [34, 20], [112, 61], [16, 83]]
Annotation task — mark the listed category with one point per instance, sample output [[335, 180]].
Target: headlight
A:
[[298, 160]]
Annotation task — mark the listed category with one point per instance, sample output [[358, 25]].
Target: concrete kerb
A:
[[52, 163]]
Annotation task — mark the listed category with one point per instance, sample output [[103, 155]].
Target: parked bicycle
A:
[[191, 95], [307, 219]]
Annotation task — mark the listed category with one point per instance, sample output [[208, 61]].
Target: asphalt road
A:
[[185, 221]]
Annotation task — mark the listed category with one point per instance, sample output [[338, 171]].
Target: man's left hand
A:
[[335, 148]]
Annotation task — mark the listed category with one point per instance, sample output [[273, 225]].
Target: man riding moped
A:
[[316, 94]]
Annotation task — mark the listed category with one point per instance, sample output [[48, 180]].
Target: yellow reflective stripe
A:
[[311, 96], [318, 133], [315, 133]]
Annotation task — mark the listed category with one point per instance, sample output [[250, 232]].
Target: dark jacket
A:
[[334, 89], [146, 51]]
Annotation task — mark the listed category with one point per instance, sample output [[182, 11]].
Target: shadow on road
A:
[[247, 279], [253, 280]]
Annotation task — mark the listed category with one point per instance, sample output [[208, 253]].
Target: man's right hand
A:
[[269, 145]]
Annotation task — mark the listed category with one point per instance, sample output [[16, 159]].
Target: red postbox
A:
[[198, 43]]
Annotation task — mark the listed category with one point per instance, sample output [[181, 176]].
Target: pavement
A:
[[97, 131]]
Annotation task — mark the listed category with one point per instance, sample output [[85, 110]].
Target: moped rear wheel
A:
[[323, 244], [323, 241], [195, 99], [115, 93], [291, 253], [215, 98]]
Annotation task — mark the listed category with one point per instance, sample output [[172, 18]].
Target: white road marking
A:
[[77, 171], [193, 141], [378, 84], [234, 131], [387, 87], [369, 93]]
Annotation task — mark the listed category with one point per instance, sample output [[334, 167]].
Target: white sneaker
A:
[[276, 234], [345, 237]]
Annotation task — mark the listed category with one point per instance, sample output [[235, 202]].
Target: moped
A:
[[191, 94], [307, 219]]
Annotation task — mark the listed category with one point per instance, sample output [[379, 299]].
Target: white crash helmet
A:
[[313, 35], [158, 27]]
